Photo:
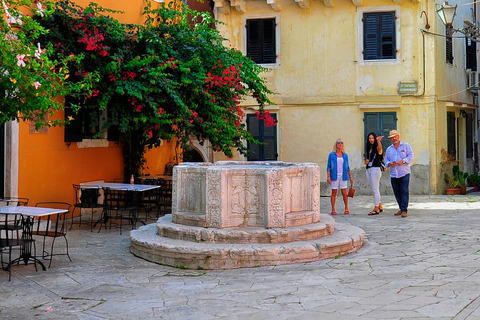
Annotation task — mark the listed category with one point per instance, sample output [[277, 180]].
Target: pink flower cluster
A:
[[134, 102], [128, 74], [267, 118], [230, 77], [92, 39]]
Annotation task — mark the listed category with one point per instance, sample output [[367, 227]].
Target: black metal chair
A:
[[47, 227], [14, 201], [119, 205], [11, 236], [149, 200], [166, 196], [85, 198]]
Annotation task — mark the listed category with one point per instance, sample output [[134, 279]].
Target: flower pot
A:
[[463, 190], [453, 191], [476, 188]]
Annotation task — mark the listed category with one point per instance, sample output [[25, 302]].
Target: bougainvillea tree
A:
[[31, 76], [171, 77]]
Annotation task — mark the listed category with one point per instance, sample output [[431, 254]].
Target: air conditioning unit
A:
[[473, 80]]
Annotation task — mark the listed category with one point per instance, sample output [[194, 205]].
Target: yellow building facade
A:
[[343, 68]]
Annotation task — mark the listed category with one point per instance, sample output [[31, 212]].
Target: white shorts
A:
[[339, 182]]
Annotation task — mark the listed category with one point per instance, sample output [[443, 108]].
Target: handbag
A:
[[351, 192]]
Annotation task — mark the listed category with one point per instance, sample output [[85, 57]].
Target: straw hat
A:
[[393, 133]]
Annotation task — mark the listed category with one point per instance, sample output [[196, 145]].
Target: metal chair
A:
[[85, 198], [14, 201], [166, 196], [46, 227], [119, 204], [11, 236], [149, 200]]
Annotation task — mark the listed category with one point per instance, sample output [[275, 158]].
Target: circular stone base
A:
[[166, 228], [147, 244]]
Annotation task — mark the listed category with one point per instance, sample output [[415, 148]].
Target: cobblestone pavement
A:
[[426, 266]]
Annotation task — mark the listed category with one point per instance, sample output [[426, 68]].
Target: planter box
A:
[[453, 191]]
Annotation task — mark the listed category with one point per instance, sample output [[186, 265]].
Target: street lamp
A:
[[447, 13]]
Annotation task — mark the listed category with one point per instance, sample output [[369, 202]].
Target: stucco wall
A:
[[324, 86]]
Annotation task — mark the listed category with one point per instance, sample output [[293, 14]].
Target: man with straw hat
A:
[[398, 158]]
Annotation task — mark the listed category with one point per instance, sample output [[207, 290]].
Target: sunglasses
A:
[[339, 142]]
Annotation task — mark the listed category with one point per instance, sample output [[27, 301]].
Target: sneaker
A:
[[404, 214], [399, 212]]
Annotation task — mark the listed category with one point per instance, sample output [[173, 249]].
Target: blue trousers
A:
[[400, 190]]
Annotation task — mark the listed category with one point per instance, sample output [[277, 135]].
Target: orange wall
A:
[[48, 166], [132, 9]]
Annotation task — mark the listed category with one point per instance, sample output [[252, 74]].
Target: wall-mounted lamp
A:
[[447, 14], [463, 113]]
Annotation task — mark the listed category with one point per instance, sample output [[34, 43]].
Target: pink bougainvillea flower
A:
[[40, 8], [21, 62], [37, 84], [38, 52]]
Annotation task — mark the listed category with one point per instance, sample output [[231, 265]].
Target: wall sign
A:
[[407, 87]]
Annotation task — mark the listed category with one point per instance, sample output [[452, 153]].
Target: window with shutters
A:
[[451, 134], [471, 54], [448, 45], [469, 134], [262, 133], [381, 123], [261, 41], [85, 124], [379, 35]]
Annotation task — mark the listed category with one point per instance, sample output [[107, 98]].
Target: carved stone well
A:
[[234, 214]]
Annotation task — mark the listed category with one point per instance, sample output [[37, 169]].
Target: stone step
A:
[[299, 218], [166, 228], [147, 244]]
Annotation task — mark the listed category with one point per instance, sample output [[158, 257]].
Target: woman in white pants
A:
[[373, 160]]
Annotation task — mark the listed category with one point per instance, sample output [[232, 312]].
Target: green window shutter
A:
[[388, 122], [451, 144], [269, 46], [254, 40], [471, 54], [381, 123], [73, 132], [371, 48], [261, 43], [469, 134], [448, 46], [387, 32], [379, 36], [262, 133]]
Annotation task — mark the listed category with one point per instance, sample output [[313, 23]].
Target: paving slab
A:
[[425, 266]]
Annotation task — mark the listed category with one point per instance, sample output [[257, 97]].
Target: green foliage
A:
[[457, 179], [474, 178], [171, 78], [31, 75]]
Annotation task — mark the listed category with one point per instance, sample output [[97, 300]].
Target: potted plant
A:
[[456, 182], [474, 179]]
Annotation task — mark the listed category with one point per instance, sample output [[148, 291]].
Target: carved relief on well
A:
[[315, 192], [243, 198], [214, 199], [276, 211], [174, 190]]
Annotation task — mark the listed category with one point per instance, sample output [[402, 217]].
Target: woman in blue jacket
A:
[[338, 173]]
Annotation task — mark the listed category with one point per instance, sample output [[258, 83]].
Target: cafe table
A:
[[31, 213], [119, 186]]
